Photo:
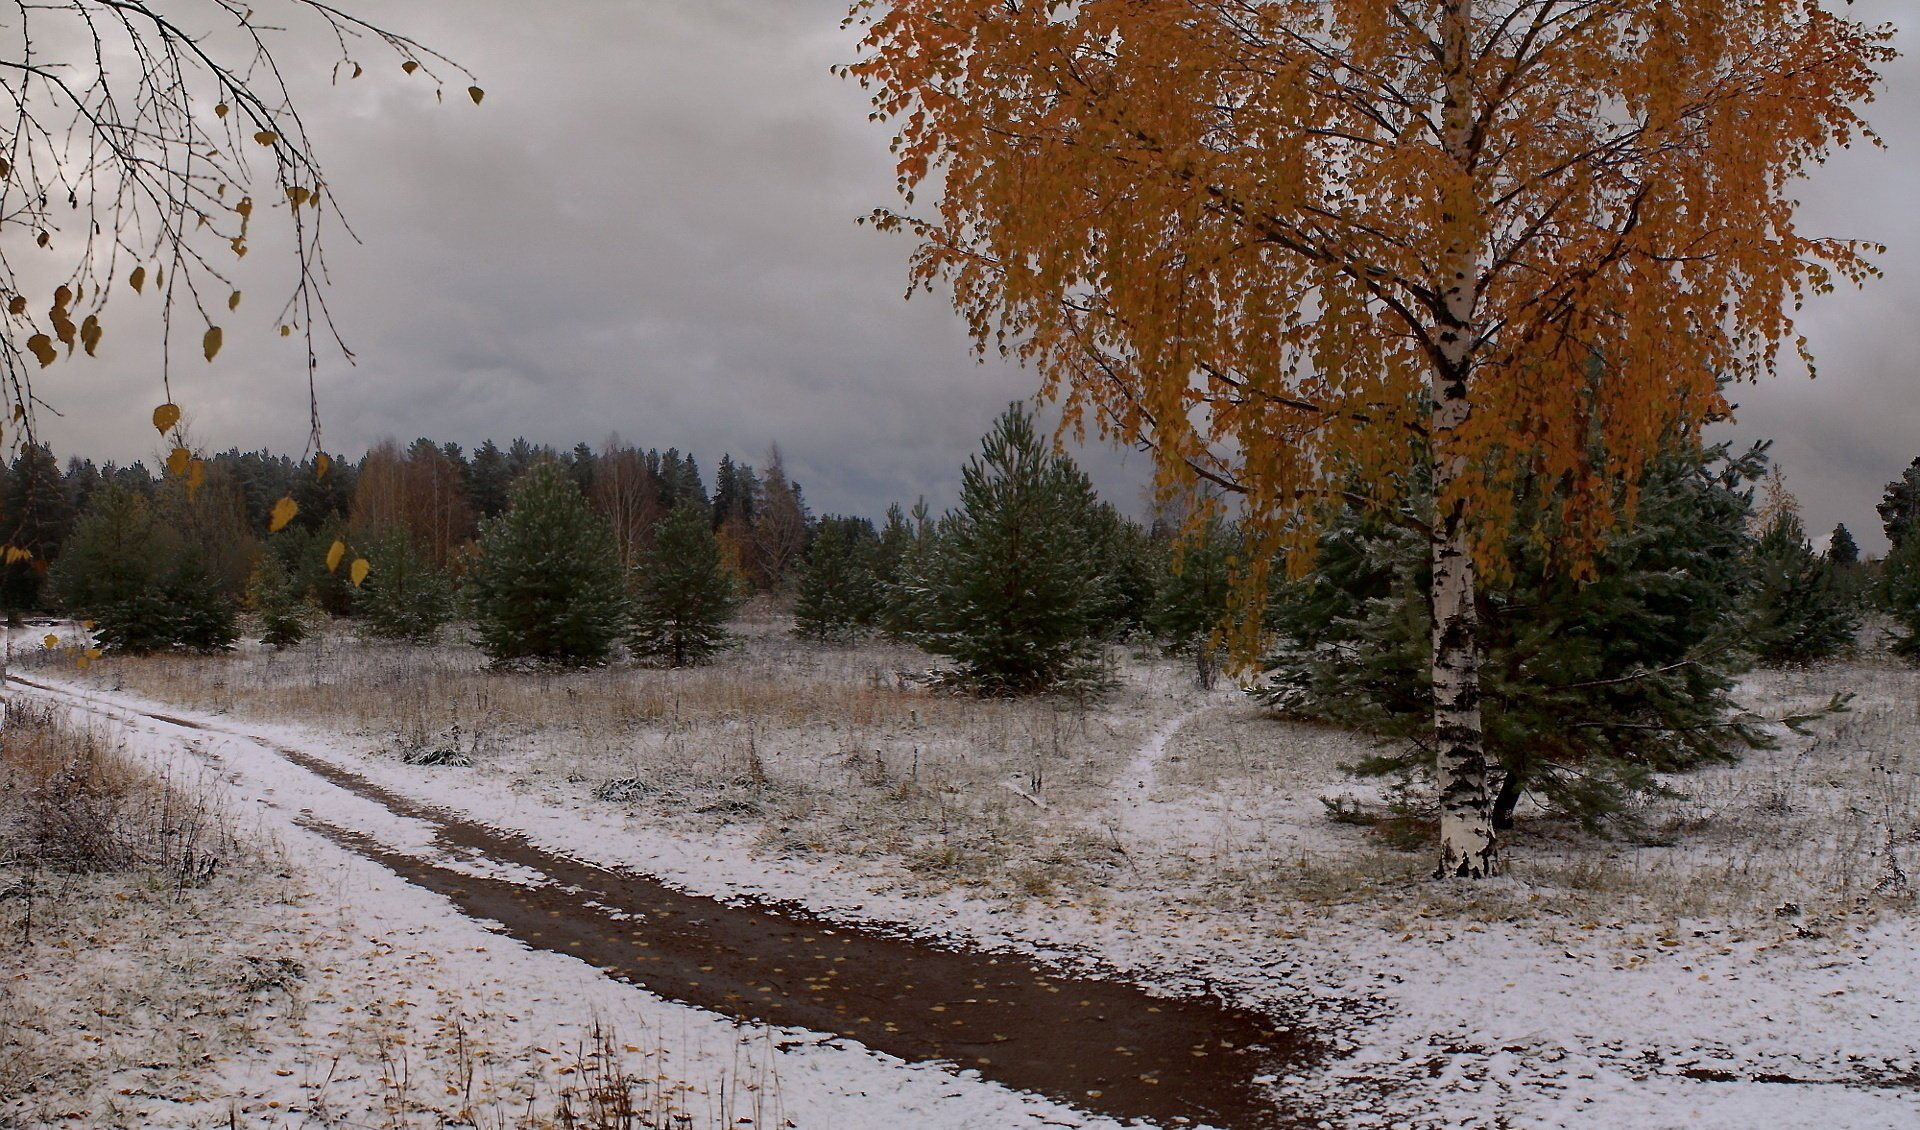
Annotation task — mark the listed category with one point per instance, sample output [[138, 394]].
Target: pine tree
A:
[[1014, 586], [1900, 593], [839, 592], [684, 592], [1800, 610], [1591, 687], [547, 585], [36, 514], [1190, 598], [114, 554], [907, 548], [492, 480], [1124, 562], [202, 615], [1842, 550], [404, 597], [1900, 507], [275, 600]]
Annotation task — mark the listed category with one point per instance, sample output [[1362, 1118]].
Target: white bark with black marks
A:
[[1467, 847]]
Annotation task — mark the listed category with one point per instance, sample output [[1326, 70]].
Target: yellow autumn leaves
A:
[[357, 572]]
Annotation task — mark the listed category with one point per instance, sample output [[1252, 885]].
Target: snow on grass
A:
[[1748, 961]]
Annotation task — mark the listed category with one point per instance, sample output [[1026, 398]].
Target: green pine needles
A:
[[1014, 590], [684, 593], [404, 597], [1590, 688], [548, 584]]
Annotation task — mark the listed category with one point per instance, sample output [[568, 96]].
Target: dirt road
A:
[[1103, 1046]]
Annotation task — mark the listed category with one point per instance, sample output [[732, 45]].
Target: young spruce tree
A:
[[1801, 610], [1591, 687], [404, 597], [683, 592], [838, 594], [547, 586], [277, 602], [1014, 587]]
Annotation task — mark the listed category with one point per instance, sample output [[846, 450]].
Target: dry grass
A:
[[154, 963], [842, 752], [117, 919], [817, 749]]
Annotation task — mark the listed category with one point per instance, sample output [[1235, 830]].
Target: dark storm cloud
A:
[[648, 228]]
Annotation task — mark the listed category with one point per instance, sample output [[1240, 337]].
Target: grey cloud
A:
[[648, 228]]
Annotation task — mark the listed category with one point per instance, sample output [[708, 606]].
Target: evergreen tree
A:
[[404, 597], [1842, 550], [1900, 507], [1124, 561], [492, 480], [839, 593], [1591, 688], [202, 613], [115, 552], [277, 603], [1014, 587], [1900, 593], [1190, 599], [36, 514], [736, 491], [683, 592], [1800, 612], [547, 585], [905, 566]]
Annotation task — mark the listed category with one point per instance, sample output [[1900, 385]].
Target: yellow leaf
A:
[[322, 463], [18, 305], [476, 94], [410, 66], [137, 279], [50, 642], [233, 301], [358, 70], [87, 624], [298, 194], [358, 571], [283, 512], [245, 207], [90, 333], [221, 110], [93, 653], [210, 345], [41, 346], [240, 246], [165, 417], [334, 556], [178, 461], [266, 137], [286, 331], [62, 297]]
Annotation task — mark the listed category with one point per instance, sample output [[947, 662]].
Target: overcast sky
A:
[[648, 228]]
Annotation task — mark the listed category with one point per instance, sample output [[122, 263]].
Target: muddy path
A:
[[1102, 1046]]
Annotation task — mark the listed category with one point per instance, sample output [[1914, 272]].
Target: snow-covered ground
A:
[[1739, 971]]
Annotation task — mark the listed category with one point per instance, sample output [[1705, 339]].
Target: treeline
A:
[[163, 559], [1592, 686]]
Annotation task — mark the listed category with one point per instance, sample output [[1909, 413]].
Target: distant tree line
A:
[[1594, 687]]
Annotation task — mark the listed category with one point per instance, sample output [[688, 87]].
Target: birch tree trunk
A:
[[1466, 818]]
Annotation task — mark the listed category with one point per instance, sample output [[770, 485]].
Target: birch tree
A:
[[143, 146], [1297, 246]]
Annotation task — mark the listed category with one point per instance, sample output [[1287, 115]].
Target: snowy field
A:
[[1752, 957]]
